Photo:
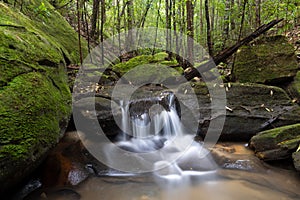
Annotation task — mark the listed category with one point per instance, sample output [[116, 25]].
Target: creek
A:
[[155, 158]]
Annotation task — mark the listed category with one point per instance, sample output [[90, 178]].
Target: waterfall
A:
[[153, 139], [148, 124]]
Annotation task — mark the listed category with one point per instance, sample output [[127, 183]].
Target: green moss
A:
[[287, 137], [49, 28], [161, 56], [268, 60], [31, 109], [122, 68], [35, 100], [158, 58], [151, 73]]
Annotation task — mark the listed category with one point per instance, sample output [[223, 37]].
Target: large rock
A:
[[296, 159], [278, 143], [270, 60], [35, 47], [250, 108], [294, 88]]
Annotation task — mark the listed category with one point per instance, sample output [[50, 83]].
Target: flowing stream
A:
[[172, 166]]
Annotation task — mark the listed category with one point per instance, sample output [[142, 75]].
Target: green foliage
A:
[[42, 10]]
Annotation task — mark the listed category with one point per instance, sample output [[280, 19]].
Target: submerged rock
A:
[[34, 94], [270, 60], [276, 144]]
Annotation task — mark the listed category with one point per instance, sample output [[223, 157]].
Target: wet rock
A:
[[296, 159], [65, 164], [105, 109], [276, 144], [250, 108], [270, 60], [236, 156]]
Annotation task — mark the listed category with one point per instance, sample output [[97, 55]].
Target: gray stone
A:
[[251, 108]]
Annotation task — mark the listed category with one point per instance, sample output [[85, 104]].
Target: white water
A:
[[175, 155]]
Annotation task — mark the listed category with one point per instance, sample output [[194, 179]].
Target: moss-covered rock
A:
[[278, 143], [270, 60], [158, 59], [35, 101]]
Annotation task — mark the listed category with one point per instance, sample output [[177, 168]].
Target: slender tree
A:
[[168, 24], [190, 30], [208, 30], [257, 13], [130, 24], [101, 29], [94, 18], [79, 33], [226, 22]]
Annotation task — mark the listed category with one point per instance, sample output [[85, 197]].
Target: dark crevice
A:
[[67, 60], [46, 62], [11, 46], [13, 26], [54, 84]]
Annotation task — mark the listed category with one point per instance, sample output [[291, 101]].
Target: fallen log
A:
[[210, 64]]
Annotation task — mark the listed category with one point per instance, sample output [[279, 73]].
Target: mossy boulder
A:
[[35, 100], [270, 60], [251, 108], [278, 143], [149, 65]]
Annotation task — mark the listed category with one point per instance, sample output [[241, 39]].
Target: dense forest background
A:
[[215, 24]]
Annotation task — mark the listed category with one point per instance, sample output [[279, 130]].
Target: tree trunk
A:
[[175, 27], [143, 19], [257, 13], [119, 26], [101, 29], [208, 30], [201, 17], [168, 26], [232, 19], [156, 30], [130, 22], [226, 22], [94, 18], [190, 31], [79, 35]]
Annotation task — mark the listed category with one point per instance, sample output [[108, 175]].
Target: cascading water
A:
[[147, 125], [152, 124]]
